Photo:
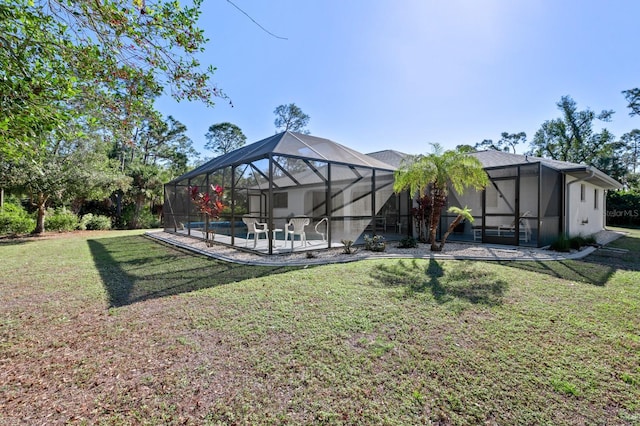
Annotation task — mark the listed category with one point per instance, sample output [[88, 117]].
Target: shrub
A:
[[565, 244], [375, 243], [60, 220], [147, 220], [408, 242], [14, 219], [84, 220], [562, 244], [347, 247], [95, 222]]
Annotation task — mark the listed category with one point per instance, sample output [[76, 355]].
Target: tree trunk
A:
[[439, 199], [450, 230], [42, 211], [119, 208], [435, 219], [135, 221]]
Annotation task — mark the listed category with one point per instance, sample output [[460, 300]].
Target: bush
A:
[[84, 220], [145, 220], [375, 243], [562, 244], [60, 220], [15, 220], [95, 222], [622, 208], [347, 247], [565, 244], [408, 242]]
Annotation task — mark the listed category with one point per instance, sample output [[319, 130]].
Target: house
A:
[[533, 200], [345, 194]]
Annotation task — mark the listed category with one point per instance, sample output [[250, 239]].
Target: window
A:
[[595, 199], [281, 200], [583, 190]]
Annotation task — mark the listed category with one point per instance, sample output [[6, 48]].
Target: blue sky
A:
[[401, 74]]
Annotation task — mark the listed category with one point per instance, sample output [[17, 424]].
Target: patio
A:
[[452, 251], [335, 193]]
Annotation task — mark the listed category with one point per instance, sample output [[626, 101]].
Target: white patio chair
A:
[[525, 227], [295, 227], [326, 226], [256, 228]]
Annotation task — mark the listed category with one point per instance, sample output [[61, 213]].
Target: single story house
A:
[[342, 195]]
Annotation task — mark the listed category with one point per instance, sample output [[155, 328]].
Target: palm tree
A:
[[434, 174], [463, 214]]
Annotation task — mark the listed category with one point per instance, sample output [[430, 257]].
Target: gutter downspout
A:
[[567, 219]]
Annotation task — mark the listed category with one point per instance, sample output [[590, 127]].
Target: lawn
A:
[[114, 328]]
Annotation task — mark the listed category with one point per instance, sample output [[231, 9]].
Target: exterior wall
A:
[[584, 216]]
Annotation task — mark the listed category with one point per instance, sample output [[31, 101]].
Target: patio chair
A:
[[295, 227], [256, 228], [326, 226], [525, 227]]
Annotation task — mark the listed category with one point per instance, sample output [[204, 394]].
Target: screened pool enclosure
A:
[[290, 192]]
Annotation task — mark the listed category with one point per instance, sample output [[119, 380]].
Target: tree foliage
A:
[[507, 143], [112, 53], [461, 214], [572, 138], [291, 118], [157, 151], [433, 174], [63, 171], [633, 97], [224, 137]]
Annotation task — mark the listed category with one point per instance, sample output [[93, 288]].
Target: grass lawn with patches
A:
[[114, 328]]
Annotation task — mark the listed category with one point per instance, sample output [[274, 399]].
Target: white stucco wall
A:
[[584, 217]]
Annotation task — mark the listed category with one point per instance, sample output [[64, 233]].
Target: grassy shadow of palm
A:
[[134, 269], [467, 281]]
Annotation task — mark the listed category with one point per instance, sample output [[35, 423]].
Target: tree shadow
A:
[[134, 269], [15, 240], [465, 282], [595, 269]]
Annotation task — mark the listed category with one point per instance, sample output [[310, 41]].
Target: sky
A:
[[403, 74]]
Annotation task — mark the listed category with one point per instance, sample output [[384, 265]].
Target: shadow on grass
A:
[[595, 269], [14, 240], [466, 281], [134, 269]]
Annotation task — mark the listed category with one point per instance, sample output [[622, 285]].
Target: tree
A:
[[61, 172], [462, 214], [631, 142], [572, 138], [91, 50], [433, 174], [291, 118], [507, 142], [157, 151], [633, 97], [224, 137]]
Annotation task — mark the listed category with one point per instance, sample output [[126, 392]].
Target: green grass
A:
[[113, 328]]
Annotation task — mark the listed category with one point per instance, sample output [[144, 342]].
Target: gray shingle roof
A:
[[492, 158], [390, 156]]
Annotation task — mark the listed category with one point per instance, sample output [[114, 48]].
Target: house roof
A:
[[495, 159], [290, 144], [390, 156]]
